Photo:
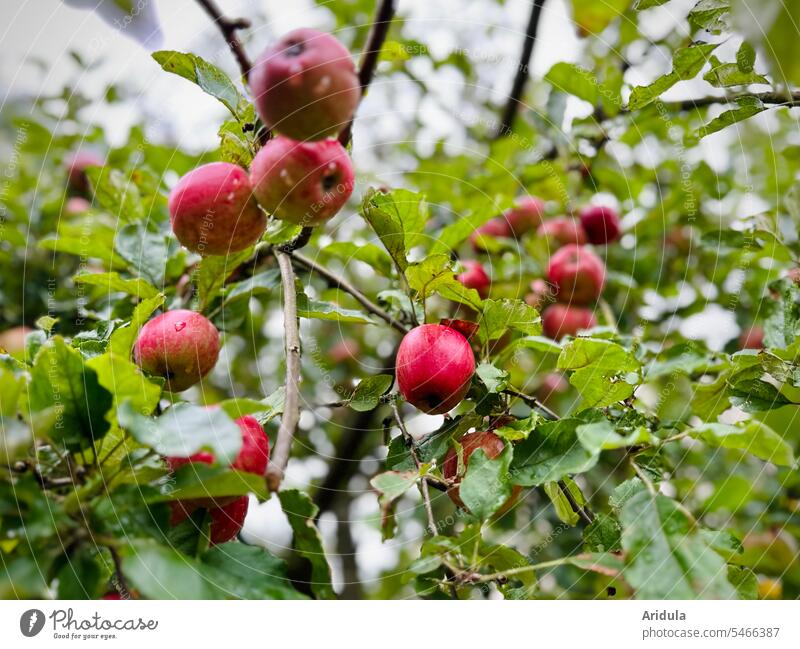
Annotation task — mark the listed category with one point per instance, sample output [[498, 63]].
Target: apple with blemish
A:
[[305, 183], [305, 86], [601, 224], [563, 231], [577, 273], [474, 276], [434, 365], [181, 346], [492, 446], [212, 210], [559, 320]]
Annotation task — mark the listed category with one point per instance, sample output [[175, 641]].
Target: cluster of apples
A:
[[305, 89]]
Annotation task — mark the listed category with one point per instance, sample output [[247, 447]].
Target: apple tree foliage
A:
[[666, 468]]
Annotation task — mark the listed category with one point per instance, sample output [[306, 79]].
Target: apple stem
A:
[[423, 483], [291, 405]]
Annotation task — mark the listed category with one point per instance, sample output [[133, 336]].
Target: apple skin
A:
[[492, 446], [434, 367], [212, 210], [601, 224], [346, 350], [305, 183], [526, 215], [559, 320], [577, 273], [497, 227], [305, 86], [540, 295], [182, 346], [13, 340], [563, 231], [794, 275], [76, 205], [474, 276], [227, 521], [552, 385], [76, 165], [752, 338]]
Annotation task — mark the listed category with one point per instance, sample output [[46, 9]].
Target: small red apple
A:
[[492, 446], [182, 346], [12, 341], [794, 275], [305, 183], [559, 320], [601, 224], [577, 273], [227, 520], [345, 351], [526, 215], [752, 338], [435, 365], [474, 276], [305, 86], [77, 164], [76, 205], [213, 212], [563, 231], [552, 384], [497, 227], [540, 295]]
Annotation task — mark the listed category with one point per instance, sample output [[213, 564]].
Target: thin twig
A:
[[122, 584], [291, 406], [521, 78], [781, 98], [423, 483], [533, 402], [229, 27], [347, 287], [370, 54]]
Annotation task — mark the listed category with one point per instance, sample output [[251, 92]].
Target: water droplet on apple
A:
[[180, 325]]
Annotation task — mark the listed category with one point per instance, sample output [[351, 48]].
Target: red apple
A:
[[577, 273], [434, 367], [77, 164], [540, 295], [559, 320], [181, 346], [491, 445], [562, 231], [345, 351], [752, 338], [305, 183], [474, 276], [12, 341], [794, 275], [227, 521], [76, 205], [497, 227], [601, 224], [112, 595], [305, 86], [552, 384], [213, 212], [526, 215]]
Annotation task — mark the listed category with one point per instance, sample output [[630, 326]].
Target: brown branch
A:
[[521, 78], [291, 406], [370, 54], [347, 287], [229, 27], [773, 98], [423, 483], [122, 584], [533, 402]]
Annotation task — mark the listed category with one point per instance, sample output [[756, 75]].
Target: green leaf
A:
[[369, 253], [397, 217], [752, 436], [500, 315], [550, 453], [495, 380], [184, 430], [665, 557], [744, 581], [641, 5], [603, 534], [116, 193], [574, 80], [301, 512], [212, 273], [561, 503], [725, 75], [308, 308], [604, 372], [125, 381], [260, 284], [391, 485], [197, 480], [686, 64], [62, 382], [602, 436], [123, 338], [144, 251], [748, 106], [368, 392], [593, 17], [206, 75], [137, 287], [486, 486], [710, 15]]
